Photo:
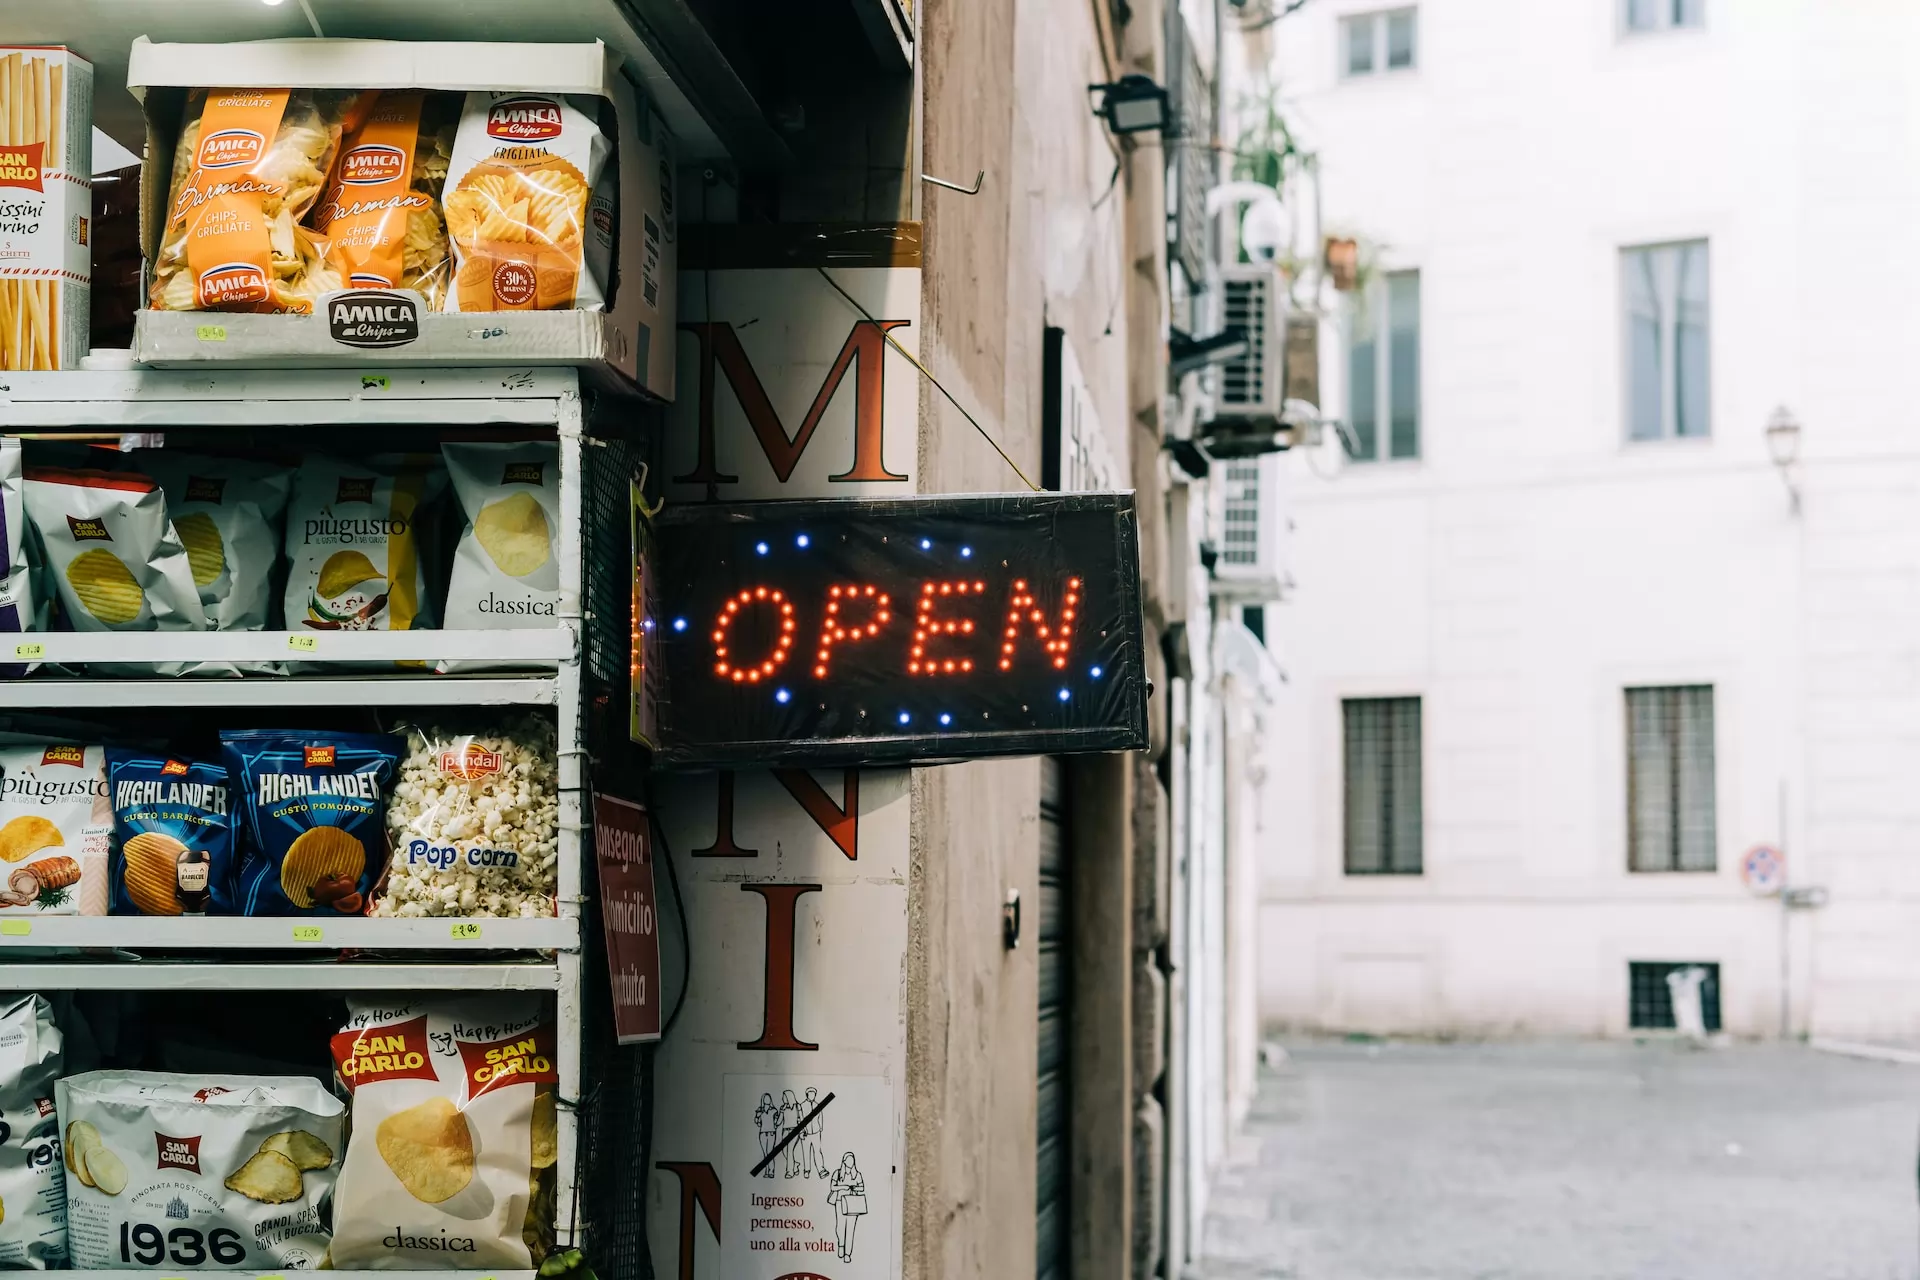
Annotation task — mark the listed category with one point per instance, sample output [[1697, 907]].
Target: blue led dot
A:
[[647, 625], [926, 544], [761, 547], [966, 553], [1064, 695], [679, 624], [802, 540], [905, 717], [945, 718], [1096, 673], [782, 696]]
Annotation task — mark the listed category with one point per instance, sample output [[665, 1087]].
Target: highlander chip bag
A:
[[506, 572], [227, 513], [454, 1137], [33, 1188], [55, 821], [113, 554], [312, 814], [524, 167], [248, 164], [381, 217], [172, 836], [198, 1172], [354, 545]]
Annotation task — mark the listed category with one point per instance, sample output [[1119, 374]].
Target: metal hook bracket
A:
[[973, 190]]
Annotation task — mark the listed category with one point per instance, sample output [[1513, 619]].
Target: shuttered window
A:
[[1670, 779], [1383, 819]]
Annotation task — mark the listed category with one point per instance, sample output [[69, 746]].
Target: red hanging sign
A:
[[624, 849]]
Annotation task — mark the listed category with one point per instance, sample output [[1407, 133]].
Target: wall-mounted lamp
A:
[[1133, 104], [1783, 446]]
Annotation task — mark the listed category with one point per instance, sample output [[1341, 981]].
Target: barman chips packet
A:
[[381, 217], [524, 166], [227, 513], [454, 1139], [312, 810], [197, 1172], [33, 1186], [172, 836], [506, 571], [354, 544], [55, 821]]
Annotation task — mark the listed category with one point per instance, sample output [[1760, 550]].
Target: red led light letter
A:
[[926, 626], [836, 629], [1056, 638], [751, 672]]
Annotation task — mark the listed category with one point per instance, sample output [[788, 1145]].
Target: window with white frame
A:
[[1664, 288], [1383, 786], [1664, 15], [1374, 42], [1383, 370], [1670, 779]]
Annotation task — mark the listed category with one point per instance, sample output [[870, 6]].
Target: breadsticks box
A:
[[408, 203], [46, 199]]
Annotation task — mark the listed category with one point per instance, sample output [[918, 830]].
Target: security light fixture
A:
[[1783, 446], [1133, 104]]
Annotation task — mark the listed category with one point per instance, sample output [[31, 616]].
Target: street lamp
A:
[[1783, 446]]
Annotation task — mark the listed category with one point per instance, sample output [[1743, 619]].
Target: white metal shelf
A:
[[142, 933], [151, 1272], [186, 975], [291, 691], [532, 646]]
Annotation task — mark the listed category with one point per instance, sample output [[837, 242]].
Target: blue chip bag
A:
[[172, 848], [312, 813]]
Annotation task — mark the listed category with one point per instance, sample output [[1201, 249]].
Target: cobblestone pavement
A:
[[1607, 1161]]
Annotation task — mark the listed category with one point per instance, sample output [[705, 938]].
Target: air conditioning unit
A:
[[1250, 541], [1253, 300]]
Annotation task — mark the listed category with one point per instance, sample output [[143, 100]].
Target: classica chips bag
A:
[[198, 1172], [113, 553], [33, 1191], [524, 166], [227, 513], [506, 572], [55, 823], [381, 216], [451, 1157], [354, 544]]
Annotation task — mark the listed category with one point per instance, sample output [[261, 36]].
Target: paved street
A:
[[1571, 1161]]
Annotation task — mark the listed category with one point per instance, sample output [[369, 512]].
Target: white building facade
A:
[[1565, 645]]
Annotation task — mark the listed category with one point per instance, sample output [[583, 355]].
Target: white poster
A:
[[814, 1155]]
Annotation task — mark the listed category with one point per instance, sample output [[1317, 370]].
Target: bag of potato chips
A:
[[524, 166], [33, 1189], [112, 551], [248, 164], [55, 821], [172, 836], [506, 571], [22, 608], [381, 216], [450, 1162], [228, 513], [354, 544], [197, 1172], [312, 814]]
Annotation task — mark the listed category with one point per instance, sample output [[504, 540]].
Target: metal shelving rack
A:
[[82, 952]]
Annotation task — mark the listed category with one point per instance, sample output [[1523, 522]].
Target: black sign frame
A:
[[708, 555]]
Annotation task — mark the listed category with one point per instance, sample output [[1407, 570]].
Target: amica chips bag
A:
[[172, 836], [227, 513], [524, 165], [33, 1191], [55, 820], [450, 1162], [354, 544], [249, 164], [198, 1172], [381, 217], [312, 810], [115, 558]]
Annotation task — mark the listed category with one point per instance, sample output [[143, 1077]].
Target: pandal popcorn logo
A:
[[372, 164], [471, 762], [524, 120], [228, 148]]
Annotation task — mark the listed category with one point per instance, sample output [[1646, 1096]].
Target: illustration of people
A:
[[849, 1200], [766, 1119], [790, 1116], [813, 1147]]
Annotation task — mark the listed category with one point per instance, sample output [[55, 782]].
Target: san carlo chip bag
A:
[[33, 1191], [197, 1172], [21, 608], [381, 217], [312, 809], [112, 552], [506, 572], [354, 544], [248, 164], [454, 1138], [172, 836], [524, 165], [227, 513], [55, 820]]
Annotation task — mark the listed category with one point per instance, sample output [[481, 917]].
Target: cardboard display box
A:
[[634, 336]]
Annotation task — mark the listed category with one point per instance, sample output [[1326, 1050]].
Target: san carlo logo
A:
[[372, 164], [524, 119], [226, 148]]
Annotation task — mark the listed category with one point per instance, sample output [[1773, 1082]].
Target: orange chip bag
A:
[[381, 217], [249, 163]]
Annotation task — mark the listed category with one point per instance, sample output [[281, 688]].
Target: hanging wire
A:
[[928, 375], [679, 909]]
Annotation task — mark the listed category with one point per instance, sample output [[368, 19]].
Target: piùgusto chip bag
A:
[[451, 1157], [55, 820], [198, 1172], [312, 816]]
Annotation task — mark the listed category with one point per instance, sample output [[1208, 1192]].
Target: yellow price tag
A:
[[375, 382], [16, 928], [210, 332], [33, 650], [305, 644], [307, 933], [466, 930]]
